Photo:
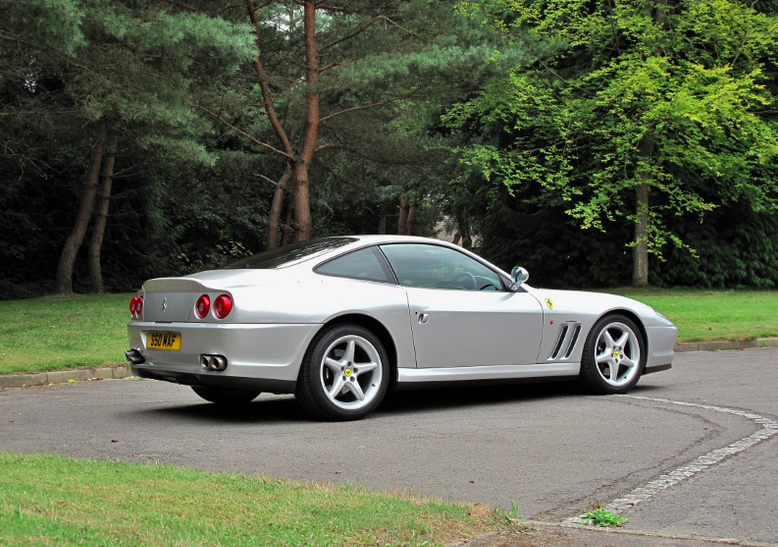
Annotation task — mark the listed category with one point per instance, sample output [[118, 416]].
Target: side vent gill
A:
[[573, 341], [565, 344]]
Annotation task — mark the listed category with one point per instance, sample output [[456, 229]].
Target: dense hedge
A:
[[733, 246]]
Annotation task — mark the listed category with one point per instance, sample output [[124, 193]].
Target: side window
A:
[[436, 267], [362, 264]]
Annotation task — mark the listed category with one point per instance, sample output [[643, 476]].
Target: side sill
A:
[[494, 372]]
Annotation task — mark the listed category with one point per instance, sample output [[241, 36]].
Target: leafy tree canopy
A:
[[670, 96]]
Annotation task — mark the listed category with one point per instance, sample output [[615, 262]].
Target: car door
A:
[[461, 315]]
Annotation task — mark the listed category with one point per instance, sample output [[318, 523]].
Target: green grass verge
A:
[[714, 315], [61, 332], [50, 500], [55, 333]]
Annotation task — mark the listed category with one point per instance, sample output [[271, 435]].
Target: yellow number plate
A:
[[164, 340]]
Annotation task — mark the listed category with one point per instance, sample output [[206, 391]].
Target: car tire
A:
[[614, 356], [344, 374], [226, 397]]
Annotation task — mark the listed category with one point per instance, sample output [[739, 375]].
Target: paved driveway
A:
[[706, 467]]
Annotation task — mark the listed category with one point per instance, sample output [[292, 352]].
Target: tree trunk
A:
[[640, 249], [275, 123], [98, 231], [411, 218], [463, 225], [467, 241], [67, 260], [302, 210], [276, 207], [402, 223], [302, 206], [287, 225], [658, 12]]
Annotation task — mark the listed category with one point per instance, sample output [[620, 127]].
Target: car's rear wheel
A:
[[226, 397], [344, 374], [614, 356]]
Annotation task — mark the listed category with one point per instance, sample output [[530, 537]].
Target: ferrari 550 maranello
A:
[[338, 321]]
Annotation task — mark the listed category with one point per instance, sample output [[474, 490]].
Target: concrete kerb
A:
[[63, 376], [718, 345], [549, 533], [82, 375]]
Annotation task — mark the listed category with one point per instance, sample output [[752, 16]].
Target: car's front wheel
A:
[[614, 356], [344, 375], [226, 397]]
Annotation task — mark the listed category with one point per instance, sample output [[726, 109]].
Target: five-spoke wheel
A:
[[613, 356], [344, 374]]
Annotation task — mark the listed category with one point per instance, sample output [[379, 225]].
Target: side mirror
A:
[[518, 276]]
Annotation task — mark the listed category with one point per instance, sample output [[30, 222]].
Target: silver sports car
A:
[[338, 321]]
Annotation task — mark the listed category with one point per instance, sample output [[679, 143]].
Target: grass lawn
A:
[[60, 332], [50, 500], [714, 315], [55, 332]]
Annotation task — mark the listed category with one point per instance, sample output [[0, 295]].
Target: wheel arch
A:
[[377, 328], [630, 315], [604, 374]]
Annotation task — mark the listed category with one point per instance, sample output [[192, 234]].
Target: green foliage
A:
[[141, 66], [736, 248], [53, 26], [603, 517], [674, 95], [554, 111], [518, 230]]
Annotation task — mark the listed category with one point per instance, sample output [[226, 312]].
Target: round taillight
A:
[[136, 306], [222, 306], [202, 306]]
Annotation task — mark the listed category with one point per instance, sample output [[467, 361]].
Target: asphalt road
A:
[[695, 446]]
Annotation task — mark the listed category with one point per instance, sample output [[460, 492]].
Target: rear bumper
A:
[[212, 380], [261, 355]]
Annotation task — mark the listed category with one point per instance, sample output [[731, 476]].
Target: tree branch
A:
[[241, 132], [357, 108], [333, 146], [37, 46], [266, 99], [357, 32]]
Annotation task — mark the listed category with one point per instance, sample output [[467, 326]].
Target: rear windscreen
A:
[[288, 253]]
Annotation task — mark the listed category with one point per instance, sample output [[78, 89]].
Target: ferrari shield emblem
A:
[[550, 303]]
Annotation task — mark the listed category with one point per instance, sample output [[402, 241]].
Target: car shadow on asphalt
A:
[[463, 396], [269, 409], [277, 409]]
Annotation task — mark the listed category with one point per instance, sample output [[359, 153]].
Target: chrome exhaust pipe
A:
[[134, 357], [216, 363], [221, 362]]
